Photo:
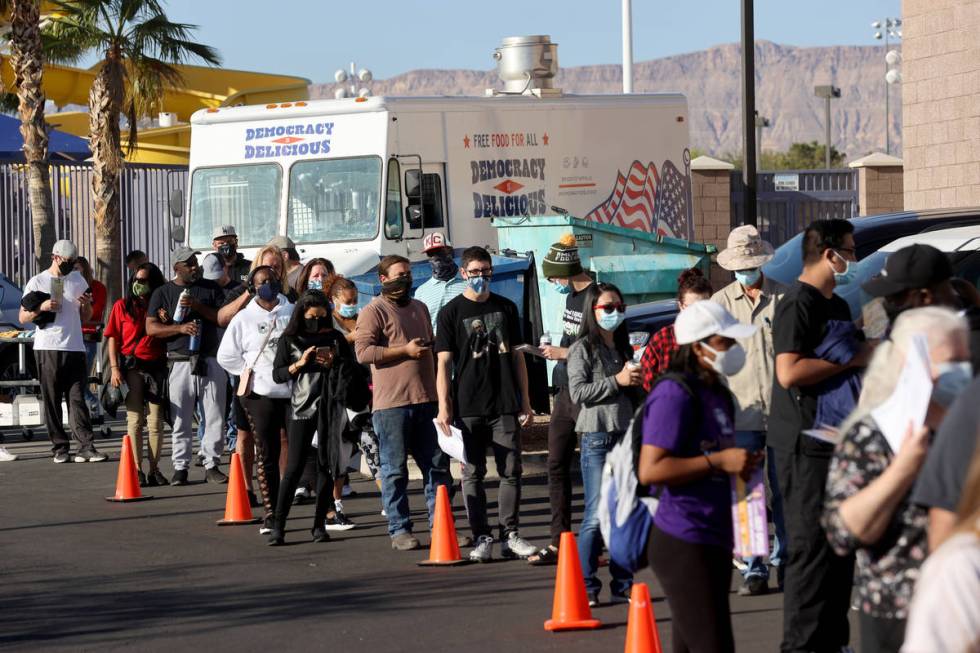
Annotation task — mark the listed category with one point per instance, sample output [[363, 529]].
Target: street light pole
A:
[[888, 28], [748, 113], [627, 46], [760, 122], [828, 93]]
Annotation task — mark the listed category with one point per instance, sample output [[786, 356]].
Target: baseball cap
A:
[[224, 230], [435, 240], [706, 318], [212, 268], [915, 266], [65, 249], [282, 242], [182, 254]]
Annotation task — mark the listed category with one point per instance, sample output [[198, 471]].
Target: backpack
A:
[[626, 508]]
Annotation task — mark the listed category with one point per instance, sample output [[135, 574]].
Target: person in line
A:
[[139, 361], [689, 449], [195, 375], [945, 610], [57, 301], [326, 381], [290, 260], [817, 588], [318, 274], [482, 387], [601, 378], [91, 329], [134, 259], [752, 298], [692, 286], [866, 509], [445, 283], [238, 298], [562, 267], [224, 241], [248, 351], [394, 336]]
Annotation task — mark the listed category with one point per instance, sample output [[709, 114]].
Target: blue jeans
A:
[[594, 448], [755, 441], [402, 431]]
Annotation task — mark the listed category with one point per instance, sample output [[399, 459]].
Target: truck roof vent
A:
[[527, 65]]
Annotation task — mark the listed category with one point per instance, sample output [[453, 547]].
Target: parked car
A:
[[871, 235]]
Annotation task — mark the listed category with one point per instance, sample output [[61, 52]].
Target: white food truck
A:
[[355, 179]]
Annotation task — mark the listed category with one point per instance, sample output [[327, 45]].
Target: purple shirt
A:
[[698, 511]]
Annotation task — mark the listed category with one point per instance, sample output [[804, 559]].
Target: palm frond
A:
[[170, 41]]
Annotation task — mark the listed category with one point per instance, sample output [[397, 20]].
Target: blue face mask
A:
[[314, 284], [847, 276], [347, 310], [610, 321], [562, 288], [268, 291], [953, 379], [748, 278], [478, 285]]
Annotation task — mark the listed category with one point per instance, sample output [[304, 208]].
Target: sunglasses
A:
[[609, 308]]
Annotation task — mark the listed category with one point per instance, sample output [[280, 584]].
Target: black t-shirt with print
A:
[[799, 326], [480, 336], [571, 321], [167, 296]]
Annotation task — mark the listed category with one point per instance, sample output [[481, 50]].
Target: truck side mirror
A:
[[413, 215], [176, 213]]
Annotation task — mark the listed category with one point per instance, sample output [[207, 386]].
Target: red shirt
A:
[[98, 306], [656, 358], [130, 331]]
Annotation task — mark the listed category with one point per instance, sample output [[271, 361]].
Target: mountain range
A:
[[711, 81]]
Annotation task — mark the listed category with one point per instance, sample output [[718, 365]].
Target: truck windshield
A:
[[333, 200], [245, 196]]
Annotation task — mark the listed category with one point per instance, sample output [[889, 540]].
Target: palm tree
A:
[[139, 46], [27, 61]]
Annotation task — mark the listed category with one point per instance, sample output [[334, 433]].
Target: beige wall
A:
[[941, 103], [880, 190], [712, 195]]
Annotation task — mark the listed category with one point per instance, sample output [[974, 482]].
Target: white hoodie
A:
[[243, 337]]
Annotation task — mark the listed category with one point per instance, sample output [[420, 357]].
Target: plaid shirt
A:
[[656, 356]]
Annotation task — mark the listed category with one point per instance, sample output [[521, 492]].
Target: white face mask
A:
[[729, 362]]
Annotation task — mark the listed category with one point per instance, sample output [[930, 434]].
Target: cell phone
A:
[[428, 343], [326, 352]]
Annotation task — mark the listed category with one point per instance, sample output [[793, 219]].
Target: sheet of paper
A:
[[824, 433], [909, 401], [749, 521], [530, 349], [452, 442]]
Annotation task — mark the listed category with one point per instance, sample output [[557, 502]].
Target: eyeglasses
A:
[[609, 308], [486, 273]]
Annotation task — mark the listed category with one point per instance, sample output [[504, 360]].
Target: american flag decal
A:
[[647, 201]]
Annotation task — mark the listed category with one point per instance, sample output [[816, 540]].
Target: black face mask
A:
[[314, 324], [398, 290], [227, 250], [65, 267], [443, 267]]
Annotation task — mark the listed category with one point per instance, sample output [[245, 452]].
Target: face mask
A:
[[65, 267], [953, 379], [268, 291], [226, 250], [479, 285], [315, 284], [314, 324], [141, 289], [729, 362], [397, 289], [610, 321], [847, 276], [443, 267], [347, 310], [562, 288], [748, 278]]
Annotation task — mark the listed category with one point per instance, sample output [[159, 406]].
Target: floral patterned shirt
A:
[[886, 571]]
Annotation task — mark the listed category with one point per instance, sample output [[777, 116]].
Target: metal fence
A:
[[144, 207], [788, 201]]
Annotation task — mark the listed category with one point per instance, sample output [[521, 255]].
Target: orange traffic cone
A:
[[237, 508], [444, 548], [641, 631], [127, 484], [571, 608]]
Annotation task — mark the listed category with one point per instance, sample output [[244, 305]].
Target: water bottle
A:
[[194, 344], [634, 363], [545, 340], [181, 311]]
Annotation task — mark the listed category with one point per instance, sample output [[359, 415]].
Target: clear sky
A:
[[312, 38]]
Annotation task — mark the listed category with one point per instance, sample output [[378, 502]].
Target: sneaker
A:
[[253, 500], [157, 477], [267, 526], [89, 456], [338, 522], [464, 541], [594, 600], [619, 599], [754, 586], [215, 475], [6, 456], [384, 513], [302, 496], [180, 477], [142, 478], [515, 547], [276, 538], [347, 491], [61, 457], [483, 551], [320, 535], [200, 462], [405, 542]]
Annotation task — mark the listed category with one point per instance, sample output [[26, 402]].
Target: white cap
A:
[[223, 230], [706, 318], [434, 240], [65, 249]]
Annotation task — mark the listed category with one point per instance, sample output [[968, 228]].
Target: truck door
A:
[[424, 201]]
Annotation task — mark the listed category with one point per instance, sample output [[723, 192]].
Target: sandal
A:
[[546, 556]]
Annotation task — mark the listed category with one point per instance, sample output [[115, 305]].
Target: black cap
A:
[[915, 266]]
